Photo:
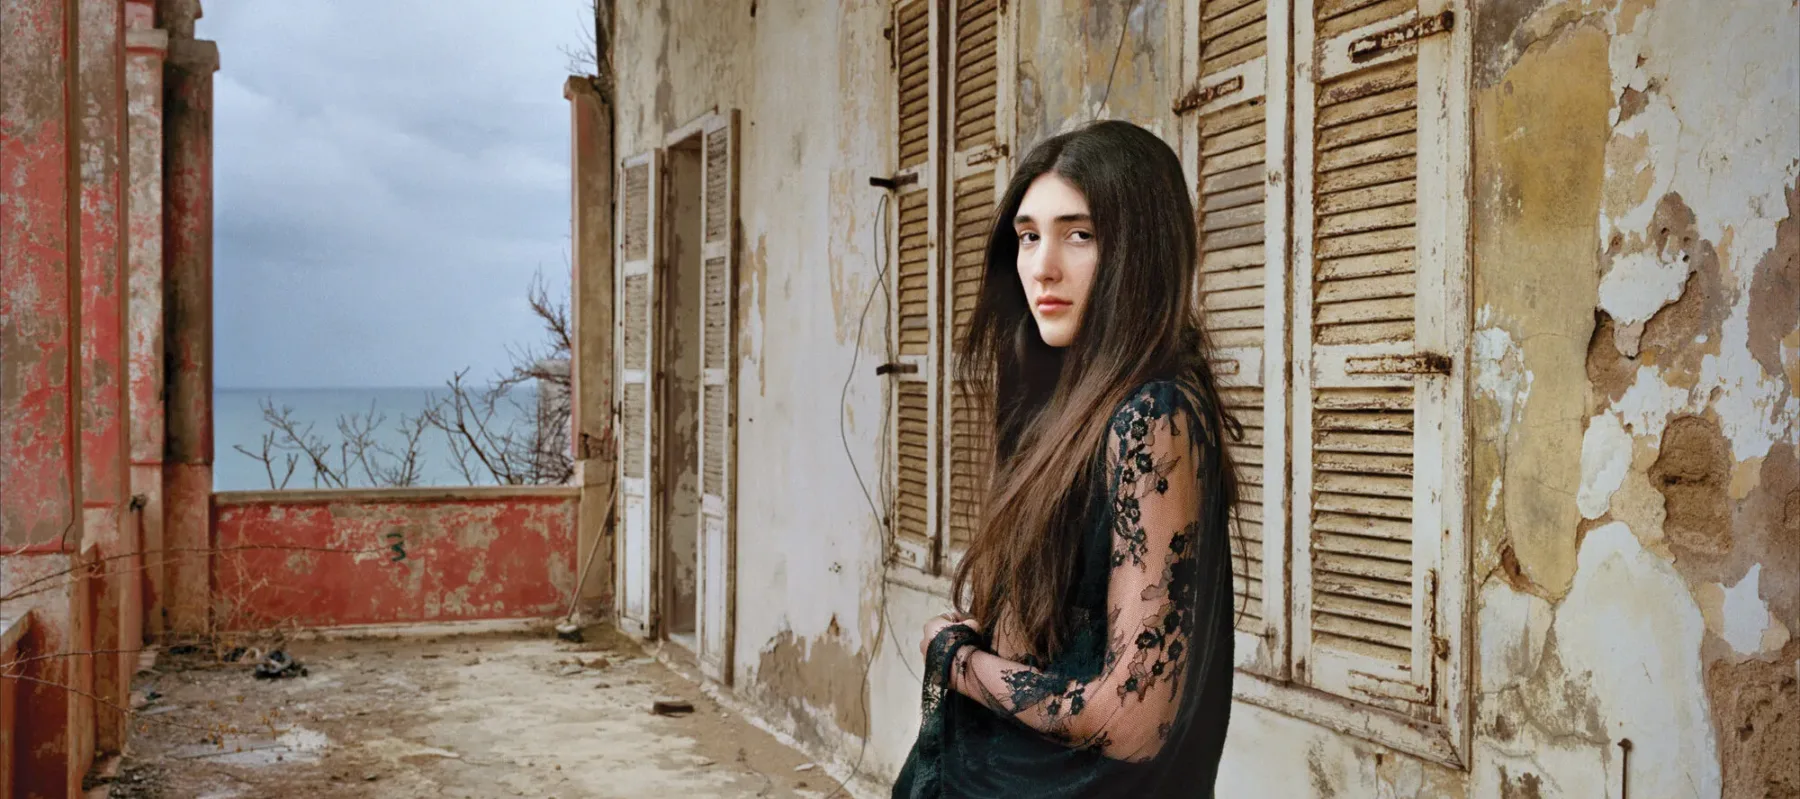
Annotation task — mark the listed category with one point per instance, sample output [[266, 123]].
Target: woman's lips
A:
[[1048, 305]]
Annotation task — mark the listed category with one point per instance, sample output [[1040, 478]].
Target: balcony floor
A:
[[474, 716]]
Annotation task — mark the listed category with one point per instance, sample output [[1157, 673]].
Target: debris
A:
[[569, 631], [806, 767], [569, 671], [371, 777], [704, 762], [183, 649], [597, 663], [279, 666], [671, 707]]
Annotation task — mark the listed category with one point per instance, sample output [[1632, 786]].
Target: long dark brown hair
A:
[[1049, 407]]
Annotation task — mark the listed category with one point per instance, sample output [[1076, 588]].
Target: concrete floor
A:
[[463, 716]]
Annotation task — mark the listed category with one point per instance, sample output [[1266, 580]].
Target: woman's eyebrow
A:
[[1025, 219]]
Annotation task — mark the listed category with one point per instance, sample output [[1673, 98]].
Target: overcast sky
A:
[[389, 173]]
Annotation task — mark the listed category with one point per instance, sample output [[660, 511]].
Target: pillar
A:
[[187, 324], [591, 362], [145, 48], [104, 384], [40, 380]]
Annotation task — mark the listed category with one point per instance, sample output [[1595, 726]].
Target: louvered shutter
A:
[[978, 152], [1239, 101], [638, 182], [1381, 330], [914, 423], [718, 427]]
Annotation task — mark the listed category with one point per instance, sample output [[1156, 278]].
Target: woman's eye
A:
[[1028, 237], [1081, 235]]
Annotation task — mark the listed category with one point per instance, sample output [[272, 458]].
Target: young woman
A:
[[1095, 655]]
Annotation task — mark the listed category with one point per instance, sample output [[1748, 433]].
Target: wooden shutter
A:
[[718, 407], [1239, 99], [977, 164], [914, 422], [1381, 317], [639, 180]]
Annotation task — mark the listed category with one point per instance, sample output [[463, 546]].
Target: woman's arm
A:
[[1125, 711]]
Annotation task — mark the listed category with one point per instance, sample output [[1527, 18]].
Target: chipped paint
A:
[[332, 558], [468, 554]]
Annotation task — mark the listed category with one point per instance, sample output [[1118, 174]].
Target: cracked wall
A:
[[1636, 243]]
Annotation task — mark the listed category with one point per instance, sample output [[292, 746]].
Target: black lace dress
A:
[[1137, 704]]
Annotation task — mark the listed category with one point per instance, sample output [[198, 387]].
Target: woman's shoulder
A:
[[1151, 402]]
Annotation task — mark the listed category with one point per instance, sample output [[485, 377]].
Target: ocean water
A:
[[238, 420]]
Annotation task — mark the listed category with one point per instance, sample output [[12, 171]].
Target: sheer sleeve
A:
[[1125, 711]]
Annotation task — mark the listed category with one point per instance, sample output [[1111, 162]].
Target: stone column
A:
[[40, 378], [591, 363], [104, 420], [146, 48], [187, 317]]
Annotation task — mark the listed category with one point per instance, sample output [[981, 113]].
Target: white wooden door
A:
[[718, 401], [635, 553]]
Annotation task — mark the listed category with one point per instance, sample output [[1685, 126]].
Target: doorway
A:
[[680, 357]]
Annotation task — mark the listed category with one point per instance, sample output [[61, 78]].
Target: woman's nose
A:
[[1047, 267]]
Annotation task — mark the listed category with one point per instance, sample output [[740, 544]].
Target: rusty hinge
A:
[[1199, 96], [1423, 363], [994, 153], [897, 368], [1375, 44]]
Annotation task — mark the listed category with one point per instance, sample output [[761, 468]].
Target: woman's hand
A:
[[936, 624]]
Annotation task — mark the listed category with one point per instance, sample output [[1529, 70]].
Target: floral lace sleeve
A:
[[1126, 710]]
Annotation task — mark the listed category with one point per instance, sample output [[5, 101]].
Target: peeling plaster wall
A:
[[1635, 234], [1637, 226], [400, 556]]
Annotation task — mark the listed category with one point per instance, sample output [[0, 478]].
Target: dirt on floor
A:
[[464, 716]]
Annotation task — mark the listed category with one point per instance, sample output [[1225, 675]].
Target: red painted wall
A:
[[334, 558]]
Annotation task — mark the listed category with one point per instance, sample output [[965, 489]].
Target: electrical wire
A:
[[884, 624], [1124, 25]]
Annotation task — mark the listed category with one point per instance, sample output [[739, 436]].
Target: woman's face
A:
[[1057, 256]]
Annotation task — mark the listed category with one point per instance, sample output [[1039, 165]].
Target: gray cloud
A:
[[389, 175]]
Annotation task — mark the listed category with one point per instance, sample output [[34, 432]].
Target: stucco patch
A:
[[1630, 625], [1756, 708], [1743, 614], [1605, 457], [1693, 473], [1775, 291], [1536, 222], [1513, 628], [814, 680]]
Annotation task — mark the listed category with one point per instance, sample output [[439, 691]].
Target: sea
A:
[[239, 421]]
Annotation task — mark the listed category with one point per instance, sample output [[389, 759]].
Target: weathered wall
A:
[[814, 85], [1635, 235], [51, 682], [334, 558]]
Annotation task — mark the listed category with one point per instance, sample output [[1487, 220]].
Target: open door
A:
[[637, 256], [718, 406]]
